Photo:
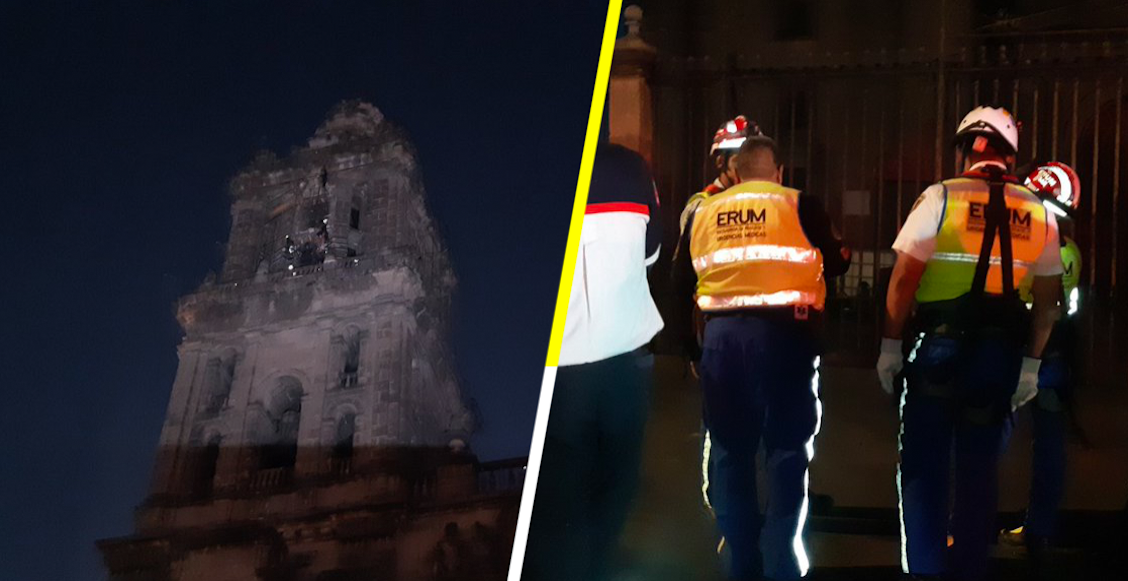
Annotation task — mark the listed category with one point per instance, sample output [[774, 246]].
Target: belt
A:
[[961, 315], [802, 313], [976, 415]]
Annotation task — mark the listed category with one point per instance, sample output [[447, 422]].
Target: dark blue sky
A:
[[119, 126]]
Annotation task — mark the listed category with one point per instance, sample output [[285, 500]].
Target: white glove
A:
[[1027, 383], [889, 363]]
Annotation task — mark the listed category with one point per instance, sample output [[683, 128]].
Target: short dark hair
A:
[[758, 142], [758, 158]]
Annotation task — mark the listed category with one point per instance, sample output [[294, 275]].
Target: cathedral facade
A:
[[316, 429]]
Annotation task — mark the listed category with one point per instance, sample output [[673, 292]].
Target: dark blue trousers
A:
[[956, 405], [1047, 485], [760, 382], [590, 468]]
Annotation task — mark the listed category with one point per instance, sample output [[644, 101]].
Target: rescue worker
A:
[[1059, 187], [758, 255], [593, 443], [726, 143], [966, 247]]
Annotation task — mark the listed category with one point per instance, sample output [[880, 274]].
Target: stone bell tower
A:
[[316, 429]]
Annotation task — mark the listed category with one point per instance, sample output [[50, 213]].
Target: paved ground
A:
[[853, 532]]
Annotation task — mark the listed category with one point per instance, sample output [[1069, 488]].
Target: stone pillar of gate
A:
[[631, 114]]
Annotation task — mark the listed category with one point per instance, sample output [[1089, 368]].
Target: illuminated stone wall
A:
[[315, 425]]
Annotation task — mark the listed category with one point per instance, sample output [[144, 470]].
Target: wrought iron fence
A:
[[868, 132]]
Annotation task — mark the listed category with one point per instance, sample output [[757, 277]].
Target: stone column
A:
[[312, 457], [631, 114]]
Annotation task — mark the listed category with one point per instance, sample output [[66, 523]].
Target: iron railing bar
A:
[[879, 240], [1094, 184], [900, 162], [1116, 185], [1054, 127], [826, 153], [791, 142], [1073, 130], [810, 140], [862, 159], [775, 118], [1034, 122], [955, 160], [923, 135], [1014, 97], [845, 164]]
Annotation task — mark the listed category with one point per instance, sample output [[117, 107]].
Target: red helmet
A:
[[732, 134], [1058, 186]]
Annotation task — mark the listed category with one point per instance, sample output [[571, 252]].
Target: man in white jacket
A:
[[593, 445]]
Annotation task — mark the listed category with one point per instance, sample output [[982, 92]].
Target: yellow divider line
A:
[[595, 116]]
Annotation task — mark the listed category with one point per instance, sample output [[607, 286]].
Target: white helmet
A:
[[990, 122]]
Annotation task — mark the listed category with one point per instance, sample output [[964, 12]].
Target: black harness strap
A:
[[997, 222]]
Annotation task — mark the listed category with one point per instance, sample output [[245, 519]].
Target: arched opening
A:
[[354, 213], [356, 210], [345, 437], [350, 358], [279, 448], [220, 375], [344, 442], [203, 476]]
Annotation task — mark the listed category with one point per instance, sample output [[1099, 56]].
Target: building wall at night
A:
[[316, 429]]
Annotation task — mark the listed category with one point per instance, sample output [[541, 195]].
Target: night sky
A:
[[119, 127]]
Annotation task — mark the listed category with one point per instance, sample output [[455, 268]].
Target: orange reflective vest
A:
[[749, 250], [949, 271]]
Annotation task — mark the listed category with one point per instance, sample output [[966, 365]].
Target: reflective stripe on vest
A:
[[974, 259], [756, 253], [951, 268], [776, 299], [749, 250]]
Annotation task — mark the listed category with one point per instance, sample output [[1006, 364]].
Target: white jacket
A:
[[610, 310]]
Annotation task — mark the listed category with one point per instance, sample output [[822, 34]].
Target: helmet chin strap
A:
[[730, 174]]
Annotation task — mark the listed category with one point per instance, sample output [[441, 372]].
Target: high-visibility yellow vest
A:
[[949, 272], [1070, 278], [749, 250], [689, 208], [1071, 265]]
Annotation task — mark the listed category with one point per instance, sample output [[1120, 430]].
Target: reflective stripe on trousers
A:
[[981, 374], [759, 379]]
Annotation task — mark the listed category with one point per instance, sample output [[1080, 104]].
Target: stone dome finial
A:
[[632, 53], [632, 16]]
